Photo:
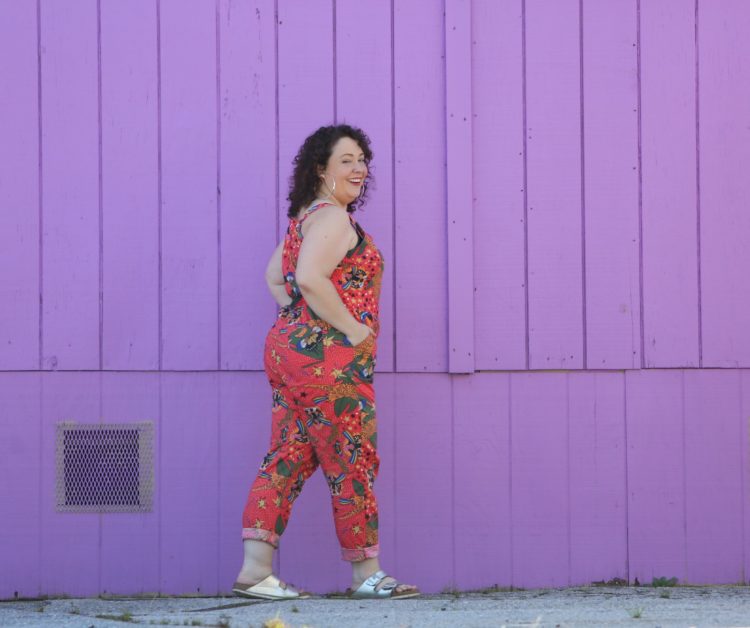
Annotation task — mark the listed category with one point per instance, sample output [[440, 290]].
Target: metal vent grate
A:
[[104, 467]]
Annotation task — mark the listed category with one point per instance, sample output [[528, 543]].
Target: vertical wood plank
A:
[[188, 483], [598, 497], [305, 83], [539, 480], [482, 469], [130, 192], [610, 144], [19, 186], [189, 186], [424, 504], [20, 454], [363, 99], [656, 475], [130, 541], [306, 102], [670, 277], [419, 153], [553, 139], [498, 183], [459, 192], [724, 93], [70, 185], [69, 542], [713, 474], [247, 171]]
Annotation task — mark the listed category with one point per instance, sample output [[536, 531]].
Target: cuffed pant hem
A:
[[359, 553], [259, 534]]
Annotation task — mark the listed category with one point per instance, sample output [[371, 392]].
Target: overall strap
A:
[[311, 209]]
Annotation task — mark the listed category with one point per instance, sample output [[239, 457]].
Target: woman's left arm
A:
[[275, 277]]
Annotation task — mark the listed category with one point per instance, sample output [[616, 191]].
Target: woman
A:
[[319, 359]]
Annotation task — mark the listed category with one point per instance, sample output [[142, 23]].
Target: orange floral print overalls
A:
[[323, 409]]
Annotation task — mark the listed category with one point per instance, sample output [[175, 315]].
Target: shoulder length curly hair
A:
[[315, 151]]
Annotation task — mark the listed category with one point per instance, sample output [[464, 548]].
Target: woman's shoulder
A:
[[322, 209]]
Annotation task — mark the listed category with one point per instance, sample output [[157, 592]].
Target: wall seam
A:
[[627, 482], [584, 338], [640, 186], [159, 183], [567, 473], [393, 186], [101, 177], [40, 187], [335, 63], [510, 476], [217, 384], [698, 188], [684, 479], [159, 348], [218, 184], [525, 186], [743, 472]]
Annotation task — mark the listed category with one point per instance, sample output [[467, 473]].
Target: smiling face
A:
[[348, 168]]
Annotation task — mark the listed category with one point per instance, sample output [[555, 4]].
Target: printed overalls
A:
[[323, 404]]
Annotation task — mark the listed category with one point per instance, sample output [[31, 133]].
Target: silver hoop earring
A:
[[333, 189]]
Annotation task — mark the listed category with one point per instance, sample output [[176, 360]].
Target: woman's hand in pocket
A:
[[363, 331]]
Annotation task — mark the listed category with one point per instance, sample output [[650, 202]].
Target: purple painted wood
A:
[[598, 498], [69, 558], [610, 145], [724, 80], [129, 542], [189, 310], [130, 195], [305, 83], [713, 476], [553, 140], [306, 102], [540, 501], [459, 193], [70, 186], [419, 162], [19, 190], [655, 475], [745, 470], [188, 483], [670, 270], [498, 182], [244, 435], [364, 99], [20, 469], [482, 472], [247, 178], [424, 497]]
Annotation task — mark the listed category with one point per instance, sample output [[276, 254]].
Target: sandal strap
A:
[[369, 587]]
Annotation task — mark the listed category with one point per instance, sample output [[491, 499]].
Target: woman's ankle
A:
[[363, 569]]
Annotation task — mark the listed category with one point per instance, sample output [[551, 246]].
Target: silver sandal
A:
[[368, 589], [270, 588]]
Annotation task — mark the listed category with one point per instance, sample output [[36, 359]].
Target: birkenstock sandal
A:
[[369, 589], [270, 588]]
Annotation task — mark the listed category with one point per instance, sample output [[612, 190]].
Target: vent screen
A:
[[104, 467]]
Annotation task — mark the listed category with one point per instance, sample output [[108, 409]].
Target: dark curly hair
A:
[[315, 151]]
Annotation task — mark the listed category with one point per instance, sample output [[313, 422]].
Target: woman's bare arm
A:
[[327, 238], [275, 277]]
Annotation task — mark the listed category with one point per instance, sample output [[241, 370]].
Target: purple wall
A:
[[562, 199]]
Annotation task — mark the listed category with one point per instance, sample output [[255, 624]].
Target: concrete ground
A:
[[726, 606]]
